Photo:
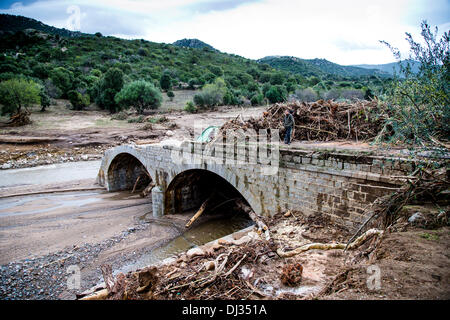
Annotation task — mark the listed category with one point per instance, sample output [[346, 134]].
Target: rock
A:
[[6, 166], [194, 252], [416, 218], [238, 235], [216, 246], [242, 240], [210, 265], [169, 133], [222, 242]]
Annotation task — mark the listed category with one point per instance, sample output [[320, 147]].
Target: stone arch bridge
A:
[[337, 184]]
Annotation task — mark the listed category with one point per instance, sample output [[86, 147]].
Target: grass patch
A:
[[430, 236]]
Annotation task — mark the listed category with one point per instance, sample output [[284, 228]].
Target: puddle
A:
[[54, 173], [196, 236], [46, 203]]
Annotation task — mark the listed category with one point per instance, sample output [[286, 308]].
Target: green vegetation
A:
[[212, 94], [16, 94], [100, 66], [430, 236], [419, 101], [78, 100], [140, 94]]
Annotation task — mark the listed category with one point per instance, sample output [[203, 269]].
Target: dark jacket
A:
[[288, 120]]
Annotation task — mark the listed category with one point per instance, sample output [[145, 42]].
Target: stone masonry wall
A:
[[336, 184]]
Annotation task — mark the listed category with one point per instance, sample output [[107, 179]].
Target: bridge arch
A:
[[123, 170], [189, 188]]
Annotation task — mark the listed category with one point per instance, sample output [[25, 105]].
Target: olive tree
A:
[[16, 94], [139, 94]]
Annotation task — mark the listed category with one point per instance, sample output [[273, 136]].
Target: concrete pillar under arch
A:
[[157, 202]]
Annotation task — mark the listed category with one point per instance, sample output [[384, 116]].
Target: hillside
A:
[[63, 61], [390, 67], [193, 43], [14, 23], [319, 67]]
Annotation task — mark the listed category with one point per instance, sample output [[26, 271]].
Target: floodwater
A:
[[53, 173], [196, 236], [45, 203]]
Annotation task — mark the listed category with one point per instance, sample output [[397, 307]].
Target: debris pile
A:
[[321, 120], [19, 119]]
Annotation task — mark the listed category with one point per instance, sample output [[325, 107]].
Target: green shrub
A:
[[276, 94], [211, 94], [106, 89], [166, 81], [190, 107], [16, 94], [140, 94], [78, 100]]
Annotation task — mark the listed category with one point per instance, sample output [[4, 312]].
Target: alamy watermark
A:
[[74, 278], [233, 147], [74, 21], [374, 280]]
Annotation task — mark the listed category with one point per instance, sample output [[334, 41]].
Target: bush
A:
[[190, 107], [257, 99], [63, 79], [16, 94], [307, 95], [276, 94], [45, 99], [140, 94], [211, 94], [106, 89], [166, 81], [78, 100]]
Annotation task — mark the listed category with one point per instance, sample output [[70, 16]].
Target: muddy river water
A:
[[54, 173]]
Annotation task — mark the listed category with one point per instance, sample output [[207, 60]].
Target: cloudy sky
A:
[[344, 31]]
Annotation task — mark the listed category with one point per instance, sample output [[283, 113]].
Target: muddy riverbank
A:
[[43, 235]]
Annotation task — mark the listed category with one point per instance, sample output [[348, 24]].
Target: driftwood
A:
[[135, 184], [147, 190], [328, 246], [199, 212], [262, 227], [321, 120], [98, 295], [108, 276]]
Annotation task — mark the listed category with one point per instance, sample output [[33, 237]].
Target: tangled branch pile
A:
[[19, 119], [422, 186], [321, 120]]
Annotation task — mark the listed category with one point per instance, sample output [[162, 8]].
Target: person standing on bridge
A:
[[288, 125]]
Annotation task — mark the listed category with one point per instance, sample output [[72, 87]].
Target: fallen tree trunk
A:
[[147, 190], [199, 212], [262, 227], [328, 246]]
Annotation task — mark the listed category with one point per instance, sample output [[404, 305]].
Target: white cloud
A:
[[345, 31]]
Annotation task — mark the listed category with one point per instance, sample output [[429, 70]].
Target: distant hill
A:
[[390, 67], [12, 23], [318, 67], [193, 43]]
